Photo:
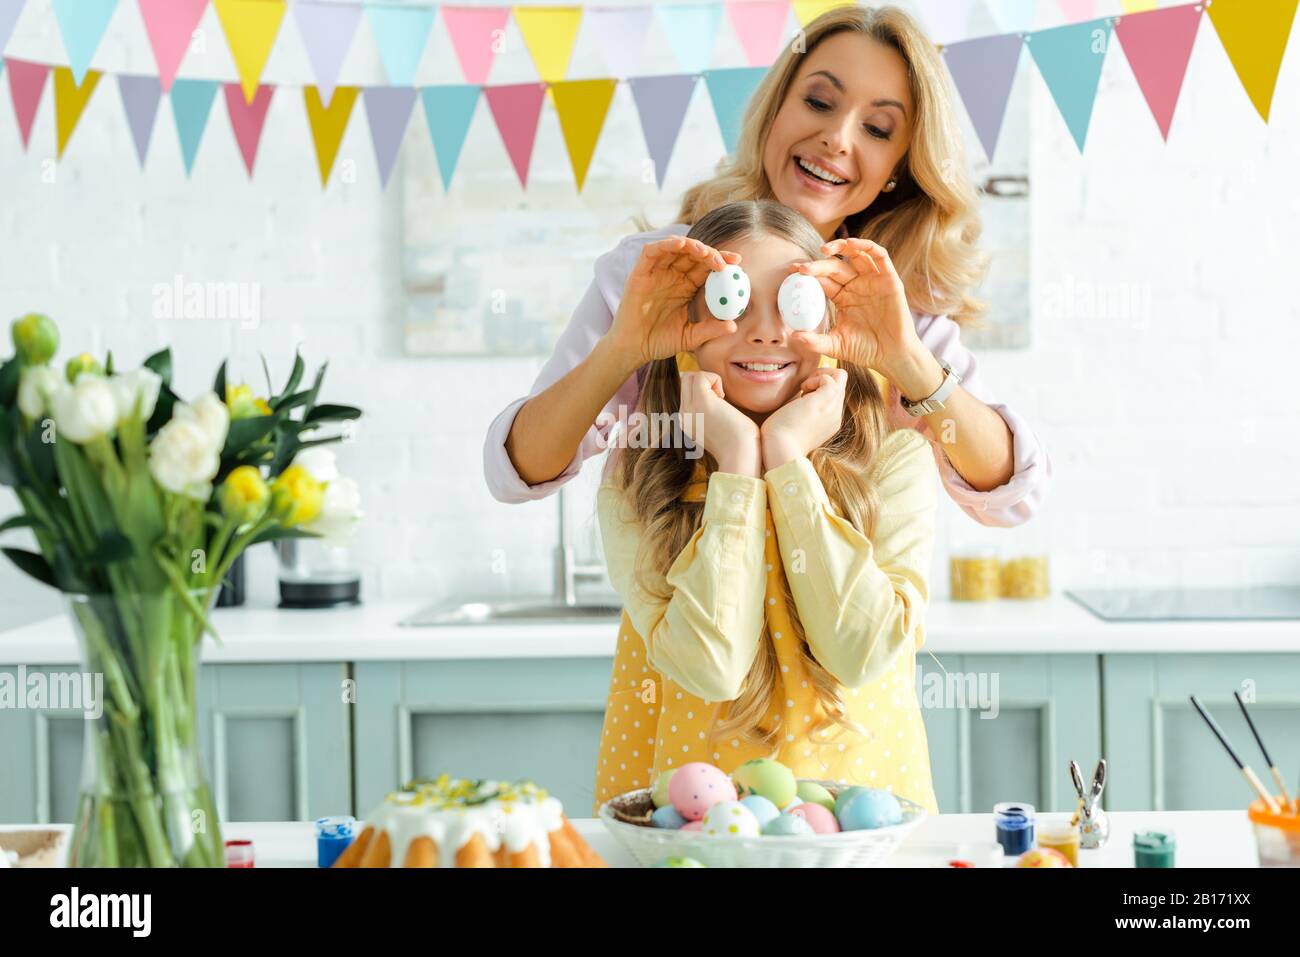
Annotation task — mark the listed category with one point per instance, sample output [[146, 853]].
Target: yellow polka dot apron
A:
[[653, 725]]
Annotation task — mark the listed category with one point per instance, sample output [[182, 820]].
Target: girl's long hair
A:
[[930, 221], [654, 479]]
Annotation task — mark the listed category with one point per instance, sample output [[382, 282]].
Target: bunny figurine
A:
[[1094, 826]]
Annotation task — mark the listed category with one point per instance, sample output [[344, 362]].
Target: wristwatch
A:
[[933, 402]]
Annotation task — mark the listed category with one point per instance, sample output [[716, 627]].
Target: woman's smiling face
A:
[[848, 112], [760, 366]]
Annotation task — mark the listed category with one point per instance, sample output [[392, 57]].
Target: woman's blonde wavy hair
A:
[[929, 222], [653, 481]]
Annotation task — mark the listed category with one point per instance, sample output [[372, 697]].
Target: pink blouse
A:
[[1007, 505]]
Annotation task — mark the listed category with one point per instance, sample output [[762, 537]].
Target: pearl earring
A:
[[890, 185]]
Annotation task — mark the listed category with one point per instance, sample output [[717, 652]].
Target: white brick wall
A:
[[1198, 489]]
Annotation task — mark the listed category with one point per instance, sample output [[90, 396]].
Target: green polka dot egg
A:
[[768, 778], [730, 819], [659, 793], [810, 792], [726, 292], [679, 862]]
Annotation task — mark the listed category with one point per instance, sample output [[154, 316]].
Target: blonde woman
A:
[[857, 132], [775, 588]]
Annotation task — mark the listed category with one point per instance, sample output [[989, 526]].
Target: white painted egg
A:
[[730, 819], [801, 301], [726, 292]]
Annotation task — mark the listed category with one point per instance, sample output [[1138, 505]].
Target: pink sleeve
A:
[[1007, 505], [590, 321]]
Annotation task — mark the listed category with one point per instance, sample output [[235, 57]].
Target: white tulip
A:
[[183, 459], [85, 410], [37, 385], [209, 414], [340, 510], [141, 384], [319, 462]]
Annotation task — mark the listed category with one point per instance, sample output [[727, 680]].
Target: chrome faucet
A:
[[567, 570]]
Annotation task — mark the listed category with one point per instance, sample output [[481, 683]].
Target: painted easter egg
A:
[[667, 818], [819, 819], [871, 809], [801, 301], [787, 825], [772, 779], [696, 787], [730, 819], [810, 792], [691, 826], [844, 797], [679, 862], [659, 793], [726, 292], [1043, 857], [760, 807]]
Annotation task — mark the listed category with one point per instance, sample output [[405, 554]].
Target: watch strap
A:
[[935, 401]]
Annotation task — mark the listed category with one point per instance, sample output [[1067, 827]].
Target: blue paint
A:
[[333, 835], [1015, 827]]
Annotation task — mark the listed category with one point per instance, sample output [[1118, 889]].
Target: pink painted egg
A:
[[692, 826], [696, 787], [819, 819]]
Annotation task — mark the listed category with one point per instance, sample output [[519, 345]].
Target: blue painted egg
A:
[[871, 809], [763, 809], [787, 825], [667, 818]]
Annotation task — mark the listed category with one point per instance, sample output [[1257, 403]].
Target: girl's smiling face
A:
[[849, 112], [760, 366]]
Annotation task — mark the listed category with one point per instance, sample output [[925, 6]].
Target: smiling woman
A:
[[853, 127]]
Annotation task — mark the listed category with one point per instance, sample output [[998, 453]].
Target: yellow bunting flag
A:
[[806, 11], [549, 33], [582, 106], [328, 123], [1138, 6], [70, 100], [250, 27], [1255, 34]]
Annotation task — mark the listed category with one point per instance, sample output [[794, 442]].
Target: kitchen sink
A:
[[535, 611]]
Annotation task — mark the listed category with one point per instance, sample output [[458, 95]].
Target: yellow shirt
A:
[[861, 600]]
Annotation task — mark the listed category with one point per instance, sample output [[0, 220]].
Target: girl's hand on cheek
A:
[[807, 421], [726, 433]]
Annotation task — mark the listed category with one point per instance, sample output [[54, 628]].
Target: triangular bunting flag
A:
[[388, 110], [26, 83], [82, 23], [170, 24], [1138, 6], [9, 11], [516, 109], [448, 110], [70, 99], [1070, 60], [327, 30], [806, 11], [1158, 45], [945, 22], [474, 33], [1255, 36], [328, 124], [730, 90], [582, 106], [619, 35], [247, 119], [692, 31], [1012, 16], [251, 27], [983, 71], [549, 33], [191, 104], [1076, 10], [661, 102], [401, 33], [760, 27], [140, 96]]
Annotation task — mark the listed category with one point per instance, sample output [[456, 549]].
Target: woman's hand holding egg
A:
[[726, 433], [652, 321], [807, 421]]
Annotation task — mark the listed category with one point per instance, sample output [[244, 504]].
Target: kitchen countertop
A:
[[371, 632], [1204, 839]]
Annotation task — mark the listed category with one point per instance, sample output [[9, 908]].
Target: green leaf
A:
[[219, 386], [285, 403], [68, 574], [113, 546], [9, 474], [32, 564], [9, 374], [315, 387], [17, 521], [108, 363], [295, 376], [332, 413], [162, 411], [266, 371], [161, 363], [313, 442], [244, 432]]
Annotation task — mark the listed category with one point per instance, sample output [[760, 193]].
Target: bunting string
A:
[[1157, 43]]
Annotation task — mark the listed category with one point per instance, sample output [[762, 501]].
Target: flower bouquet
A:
[[139, 503]]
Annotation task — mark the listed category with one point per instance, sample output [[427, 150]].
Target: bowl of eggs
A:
[[760, 815]]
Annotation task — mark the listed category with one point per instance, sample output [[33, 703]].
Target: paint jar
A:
[[975, 574], [1059, 834], [1013, 822], [239, 853], [333, 835], [1153, 849], [1277, 836]]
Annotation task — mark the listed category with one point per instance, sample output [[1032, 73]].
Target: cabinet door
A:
[[507, 718], [277, 741], [40, 748], [1164, 758], [1004, 727]]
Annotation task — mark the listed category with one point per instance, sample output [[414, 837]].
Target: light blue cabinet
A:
[[1163, 757]]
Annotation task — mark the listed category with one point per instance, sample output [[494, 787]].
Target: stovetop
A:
[[1260, 603]]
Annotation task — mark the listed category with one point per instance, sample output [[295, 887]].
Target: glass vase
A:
[[144, 800]]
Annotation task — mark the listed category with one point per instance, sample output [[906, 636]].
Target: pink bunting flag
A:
[[516, 109], [760, 27], [170, 24], [1158, 45], [247, 119], [1077, 10], [26, 83], [472, 32]]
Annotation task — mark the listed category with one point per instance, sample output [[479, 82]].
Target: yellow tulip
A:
[[243, 496], [296, 497], [82, 363], [36, 338], [243, 404]]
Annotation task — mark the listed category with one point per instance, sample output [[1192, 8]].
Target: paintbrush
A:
[[1246, 772], [1277, 775]]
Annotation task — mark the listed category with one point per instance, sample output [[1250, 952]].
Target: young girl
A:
[[775, 589]]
